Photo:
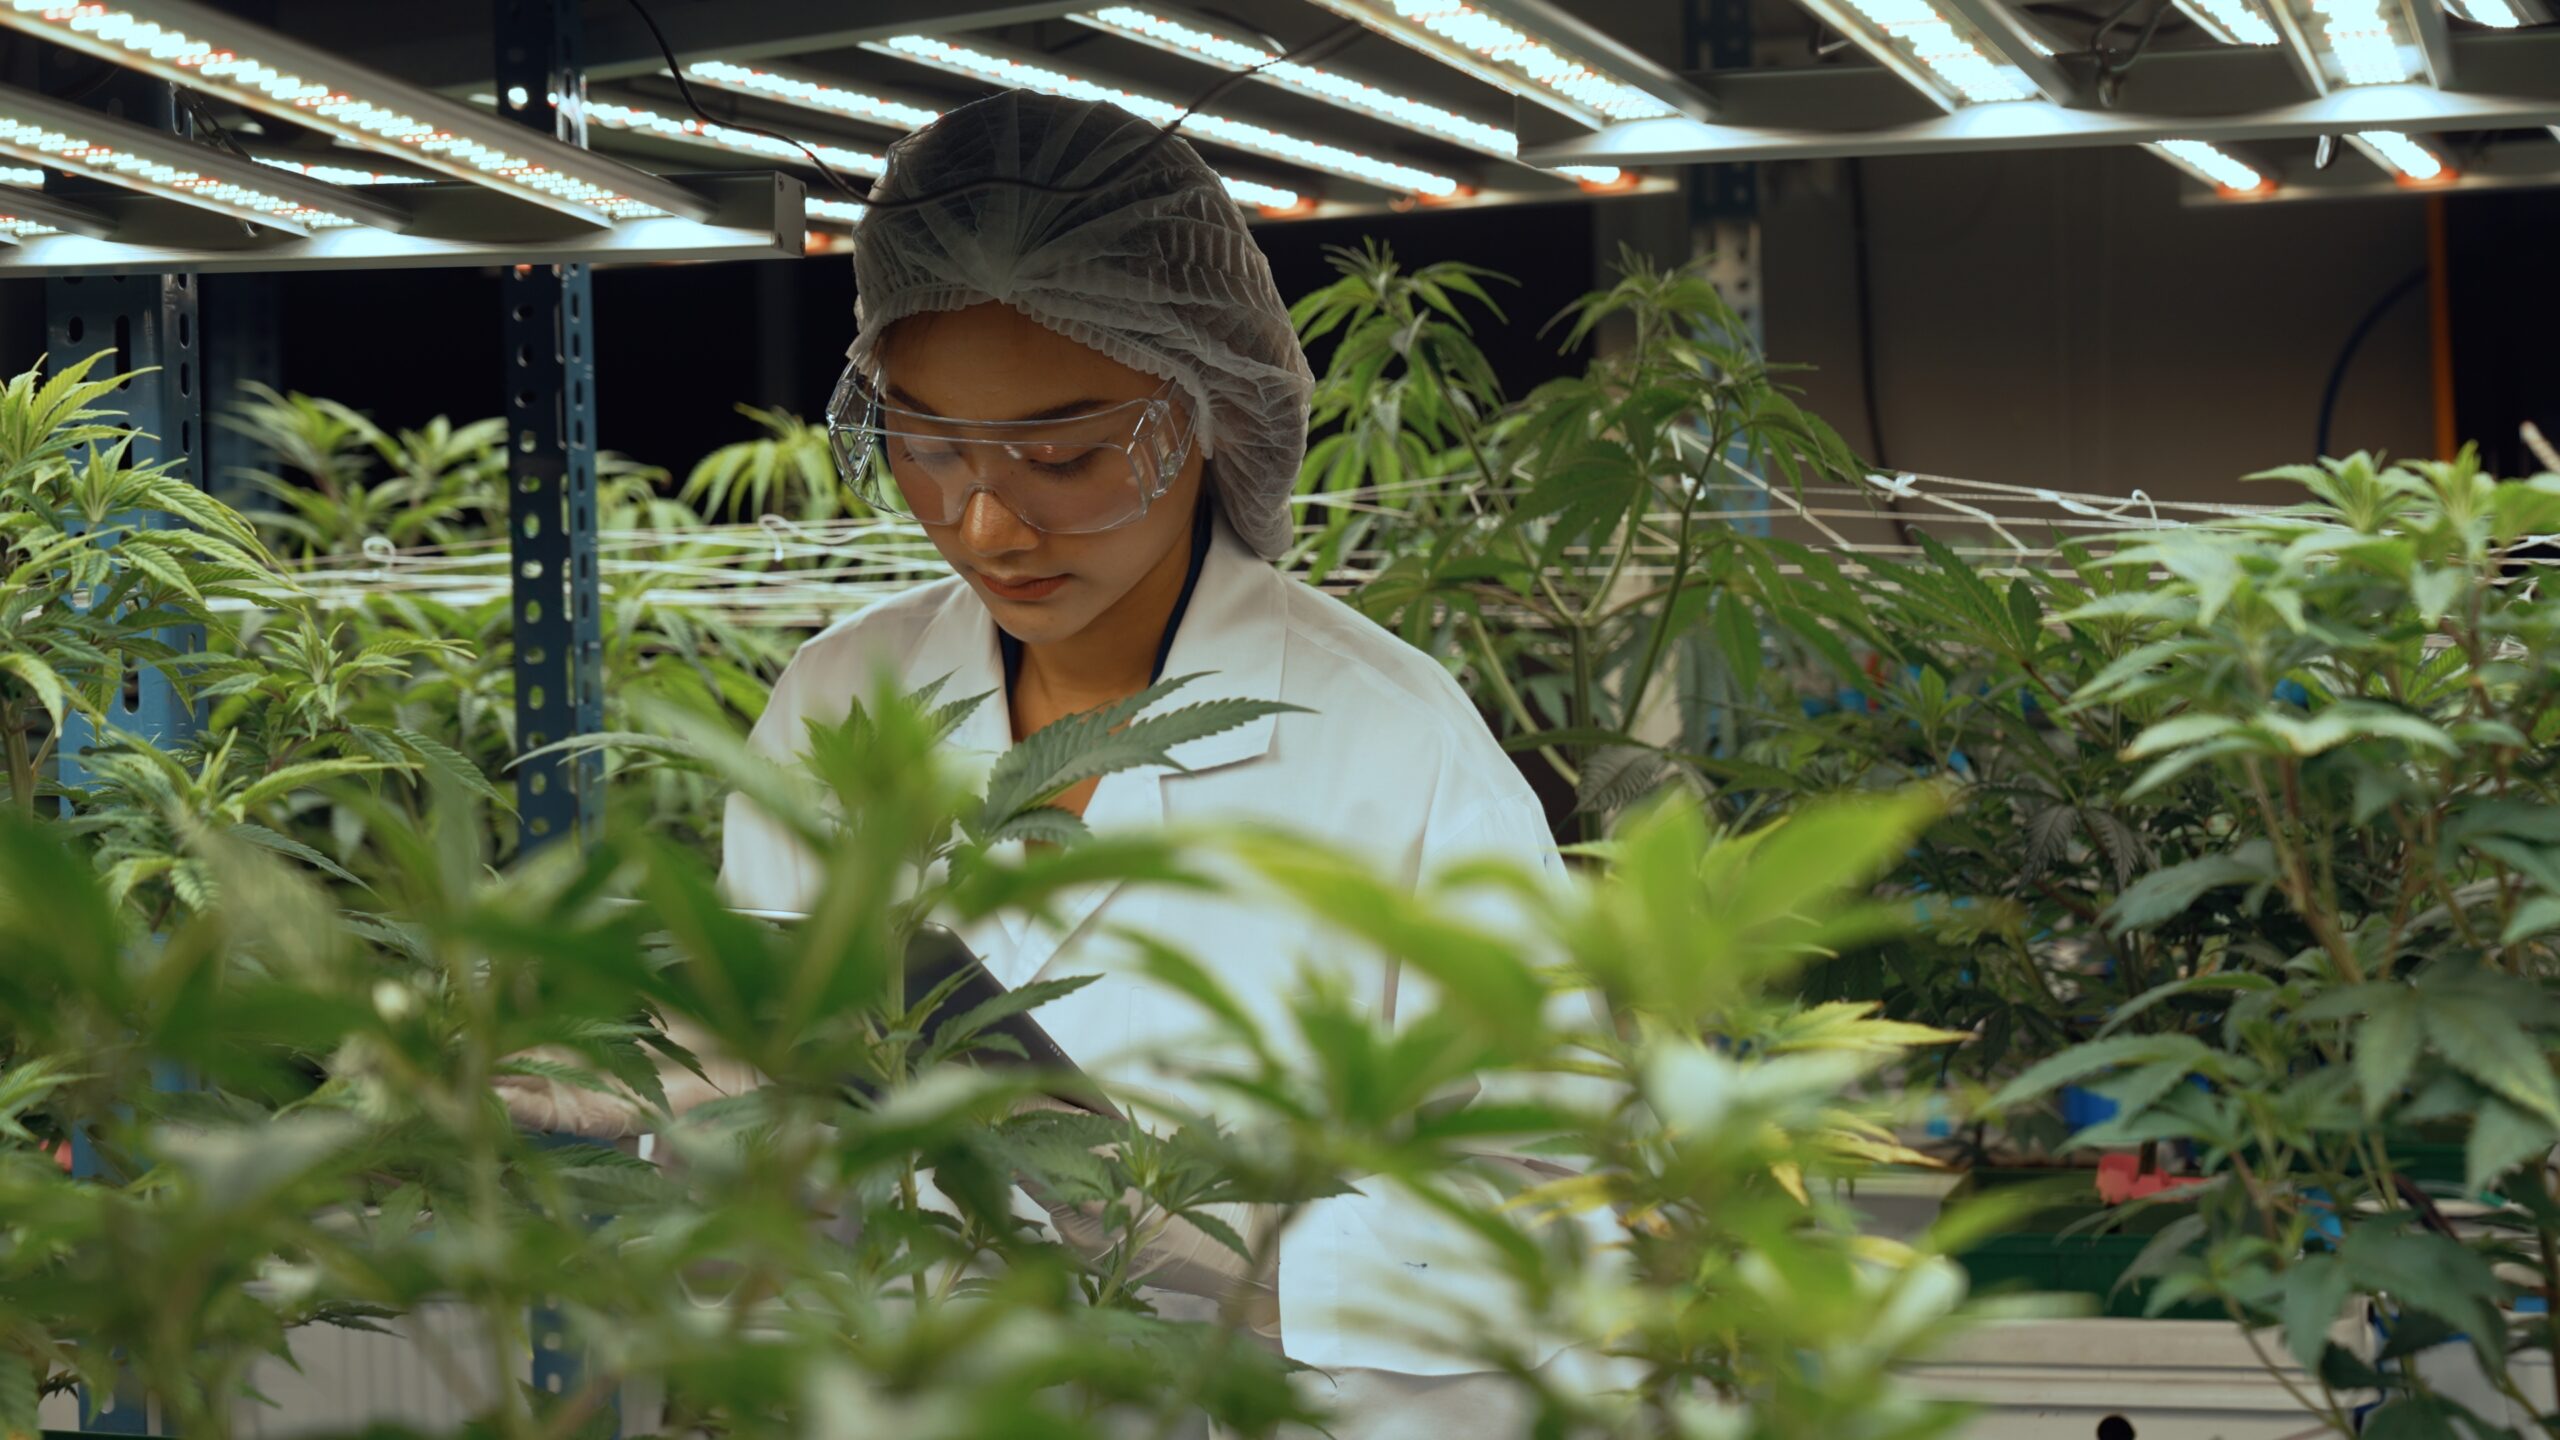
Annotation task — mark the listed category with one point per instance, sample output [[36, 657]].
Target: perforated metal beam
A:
[[551, 464]]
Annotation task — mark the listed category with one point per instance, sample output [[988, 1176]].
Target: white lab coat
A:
[[1391, 763]]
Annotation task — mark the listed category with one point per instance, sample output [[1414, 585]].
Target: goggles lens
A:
[[1071, 476]]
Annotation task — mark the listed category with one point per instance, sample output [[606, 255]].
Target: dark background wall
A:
[[2054, 318]]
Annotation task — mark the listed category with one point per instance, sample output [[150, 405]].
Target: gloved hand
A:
[[540, 1103]]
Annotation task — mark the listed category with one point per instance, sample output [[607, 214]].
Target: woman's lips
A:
[[1031, 588]]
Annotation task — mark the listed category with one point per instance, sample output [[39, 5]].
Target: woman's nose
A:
[[989, 527]]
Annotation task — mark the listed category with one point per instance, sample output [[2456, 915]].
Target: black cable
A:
[[1864, 291], [695, 106], [1866, 310], [1315, 49], [2355, 341], [2112, 67]]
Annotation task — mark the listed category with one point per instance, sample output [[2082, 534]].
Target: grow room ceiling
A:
[[337, 134]]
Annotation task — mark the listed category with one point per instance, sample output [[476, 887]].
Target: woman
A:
[[1089, 392]]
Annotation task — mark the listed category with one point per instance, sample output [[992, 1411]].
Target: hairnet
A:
[[1153, 268]]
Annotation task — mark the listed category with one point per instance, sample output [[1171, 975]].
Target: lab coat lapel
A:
[[1233, 638], [958, 648]]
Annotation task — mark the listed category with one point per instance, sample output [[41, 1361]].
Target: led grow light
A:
[[340, 174], [1195, 40], [2403, 155], [205, 49], [1471, 38], [26, 175], [1939, 51], [635, 120], [28, 213], [615, 115], [2356, 42], [2232, 22], [2212, 165], [48, 132], [979, 63], [829, 97], [835, 212], [2501, 14]]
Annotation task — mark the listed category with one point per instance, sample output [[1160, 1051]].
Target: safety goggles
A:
[[1074, 475]]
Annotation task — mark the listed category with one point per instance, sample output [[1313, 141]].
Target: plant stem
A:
[[1680, 562], [1491, 665]]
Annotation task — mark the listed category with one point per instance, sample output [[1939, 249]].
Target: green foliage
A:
[[2355, 685], [1511, 534], [789, 470], [339, 1157], [96, 555]]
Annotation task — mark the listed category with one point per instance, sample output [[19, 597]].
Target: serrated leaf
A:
[[2502, 1137], [2096, 1058], [2165, 894]]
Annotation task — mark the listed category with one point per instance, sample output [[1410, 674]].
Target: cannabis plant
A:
[[102, 562], [788, 470], [2363, 963], [336, 1157], [1572, 551]]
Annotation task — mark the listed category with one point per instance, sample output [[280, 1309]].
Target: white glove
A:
[[540, 1103]]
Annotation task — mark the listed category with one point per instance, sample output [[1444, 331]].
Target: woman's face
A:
[[989, 362]]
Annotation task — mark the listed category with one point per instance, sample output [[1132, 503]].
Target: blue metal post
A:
[[551, 457], [551, 519], [149, 321]]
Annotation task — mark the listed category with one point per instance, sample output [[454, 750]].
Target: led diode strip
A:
[[1197, 38], [618, 114], [2501, 14], [1505, 51], [204, 49], [2232, 22], [807, 92], [2341, 44], [2403, 155], [53, 133], [28, 213], [996, 67]]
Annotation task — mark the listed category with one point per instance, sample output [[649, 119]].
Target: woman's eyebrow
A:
[[905, 401]]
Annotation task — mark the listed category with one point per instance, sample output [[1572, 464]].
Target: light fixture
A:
[[1197, 39], [2403, 155], [830, 97], [44, 131], [617, 115], [2213, 165], [835, 212], [2341, 44], [207, 50], [614, 115], [1938, 50], [1493, 41], [2233, 22], [338, 174], [27, 176], [986, 64], [26, 213], [2501, 14]]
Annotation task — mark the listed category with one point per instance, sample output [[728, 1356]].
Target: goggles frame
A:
[[1161, 430]]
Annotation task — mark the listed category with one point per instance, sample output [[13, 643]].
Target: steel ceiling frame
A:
[[2505, 80]]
